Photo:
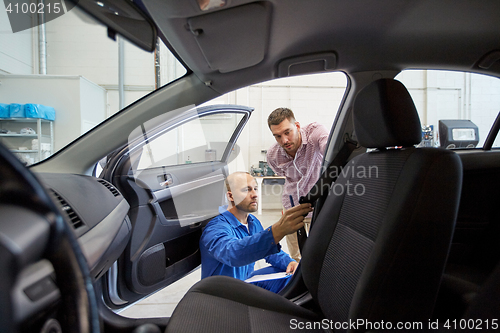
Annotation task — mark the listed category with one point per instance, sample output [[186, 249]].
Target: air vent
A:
[[72, 216], [110, 187]]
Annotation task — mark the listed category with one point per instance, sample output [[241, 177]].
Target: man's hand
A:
[[291, 221], [292, 266]]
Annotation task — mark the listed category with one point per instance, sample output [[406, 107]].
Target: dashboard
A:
[[99, 216]]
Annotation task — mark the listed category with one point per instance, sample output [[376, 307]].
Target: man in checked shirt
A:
[[297, 155]]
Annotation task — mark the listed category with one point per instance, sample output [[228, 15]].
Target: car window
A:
[[312, 98], [456, 109], [78, 86], [202, 139]]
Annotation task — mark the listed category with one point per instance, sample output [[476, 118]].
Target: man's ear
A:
[[297, 124], [230, 197]]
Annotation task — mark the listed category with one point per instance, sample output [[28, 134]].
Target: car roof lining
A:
[[433, 32]]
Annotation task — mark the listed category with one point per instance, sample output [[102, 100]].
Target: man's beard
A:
[[248, 208]]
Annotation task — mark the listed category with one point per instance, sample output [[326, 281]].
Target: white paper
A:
[[264, 277]]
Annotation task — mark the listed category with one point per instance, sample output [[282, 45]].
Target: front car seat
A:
[[378, 247]]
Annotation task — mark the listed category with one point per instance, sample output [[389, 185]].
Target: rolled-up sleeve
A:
[[319, 136]]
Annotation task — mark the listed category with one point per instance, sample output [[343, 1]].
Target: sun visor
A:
[[235, 38]]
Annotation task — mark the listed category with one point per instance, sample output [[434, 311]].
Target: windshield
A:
[[62, 78]]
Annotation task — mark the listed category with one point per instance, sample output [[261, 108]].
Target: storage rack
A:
[[44, 134]]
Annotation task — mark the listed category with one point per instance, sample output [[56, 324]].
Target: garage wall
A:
[[437, 95], [485, 104], [312, 98], [16, 50], [77, 46], [454, 95]]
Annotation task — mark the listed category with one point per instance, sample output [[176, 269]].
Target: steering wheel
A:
[[33, 228]]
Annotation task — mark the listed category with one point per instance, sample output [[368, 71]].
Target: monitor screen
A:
[[463, 134]]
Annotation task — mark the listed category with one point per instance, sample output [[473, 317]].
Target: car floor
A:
[[163, 303]]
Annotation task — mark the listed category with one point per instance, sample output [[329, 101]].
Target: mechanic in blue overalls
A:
[[234, 240]]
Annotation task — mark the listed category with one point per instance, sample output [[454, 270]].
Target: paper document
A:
[[264, 277]]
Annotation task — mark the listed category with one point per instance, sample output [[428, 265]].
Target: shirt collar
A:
[[233, 221]]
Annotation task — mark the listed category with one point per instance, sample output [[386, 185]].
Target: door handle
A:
[[165, 179]]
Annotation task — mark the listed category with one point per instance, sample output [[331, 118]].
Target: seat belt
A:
[[319, 191]]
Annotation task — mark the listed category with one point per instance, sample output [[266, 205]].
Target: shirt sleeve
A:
[[321, 137], [279, 260], [225, 247]]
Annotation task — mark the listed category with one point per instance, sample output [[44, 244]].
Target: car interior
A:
[[113, 217]]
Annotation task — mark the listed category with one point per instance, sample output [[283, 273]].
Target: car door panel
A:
[[170, 203], [190, 201]]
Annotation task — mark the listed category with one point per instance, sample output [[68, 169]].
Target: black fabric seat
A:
[[379, 245], [224, 304]]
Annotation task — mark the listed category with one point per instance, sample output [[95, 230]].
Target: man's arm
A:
[[320, 136], [228, 249], [279, 260], [290, 222], [223, 245]]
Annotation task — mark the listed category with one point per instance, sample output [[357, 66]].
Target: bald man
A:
[[233, 241]]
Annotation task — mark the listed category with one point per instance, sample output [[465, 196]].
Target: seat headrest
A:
[[384, 116]]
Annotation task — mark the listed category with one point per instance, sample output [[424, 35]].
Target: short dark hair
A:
[[280, 114]]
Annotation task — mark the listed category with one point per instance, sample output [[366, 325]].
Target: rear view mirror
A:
[[124, 18]]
